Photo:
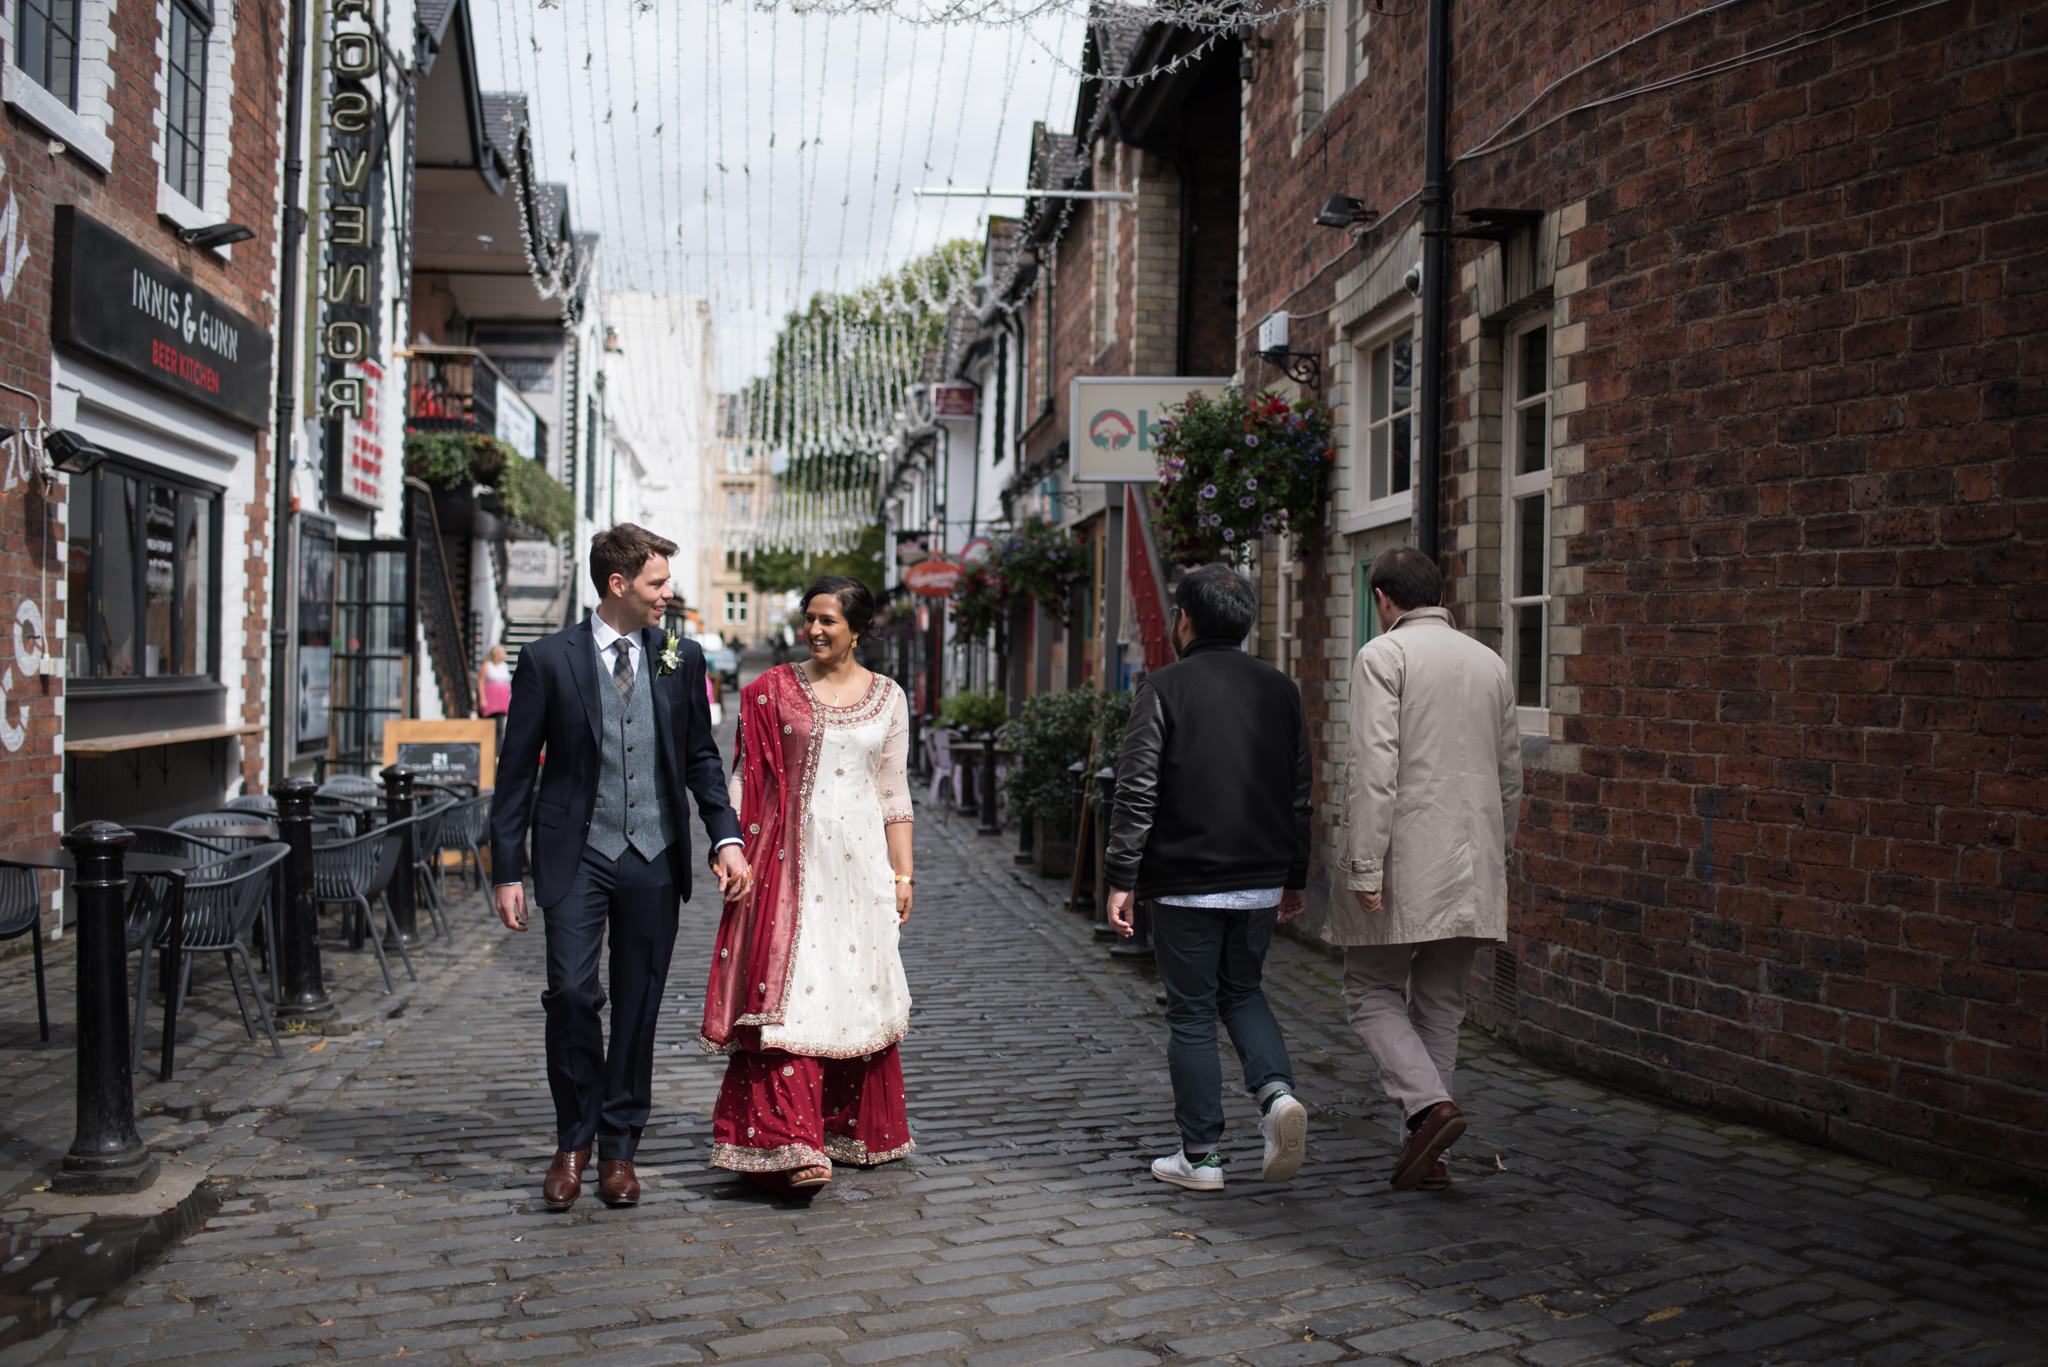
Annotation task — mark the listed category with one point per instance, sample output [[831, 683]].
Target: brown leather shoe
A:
[[616, 1184], [564, 1182], [1437, 1130]]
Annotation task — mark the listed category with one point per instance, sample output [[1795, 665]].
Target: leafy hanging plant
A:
[[895, 622], [1233, 469], [1042, 562], [459, 461], [980, 600]]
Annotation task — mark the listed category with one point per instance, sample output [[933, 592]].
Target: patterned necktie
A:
[[622, 672]]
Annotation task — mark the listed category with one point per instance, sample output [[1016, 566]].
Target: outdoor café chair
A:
[[946, 768], [426, 856], [261, 803], [155, 901], [350, 873], [356, 786], [221, 907], [464, 828], [21, 913]]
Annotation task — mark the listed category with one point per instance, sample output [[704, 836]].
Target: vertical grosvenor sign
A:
[[351, 243]]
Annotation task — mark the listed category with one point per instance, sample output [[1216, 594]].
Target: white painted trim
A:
[[1399, 508], [26, 97], [220, 118]]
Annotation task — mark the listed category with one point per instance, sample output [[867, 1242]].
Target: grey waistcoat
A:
[[631, 807]]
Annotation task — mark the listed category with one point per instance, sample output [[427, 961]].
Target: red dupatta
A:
[[757, 935]]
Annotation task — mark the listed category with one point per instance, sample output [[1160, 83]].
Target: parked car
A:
[[721, 660]]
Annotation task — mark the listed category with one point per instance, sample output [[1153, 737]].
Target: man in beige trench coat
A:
[[1434, 787]]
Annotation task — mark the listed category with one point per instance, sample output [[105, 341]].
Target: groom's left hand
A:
[[734, 877]]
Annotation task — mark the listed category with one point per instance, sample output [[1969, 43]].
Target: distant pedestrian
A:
[[494, 688], [1212, 824], [1434, 788]]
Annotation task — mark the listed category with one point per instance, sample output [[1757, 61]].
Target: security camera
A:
[[1412, 281]]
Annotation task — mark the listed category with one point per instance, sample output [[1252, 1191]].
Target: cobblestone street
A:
[[389, 1204]]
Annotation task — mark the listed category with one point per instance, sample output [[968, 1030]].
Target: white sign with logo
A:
[[1115, 420]]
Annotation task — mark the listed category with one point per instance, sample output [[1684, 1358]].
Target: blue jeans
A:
[[1210, 960]]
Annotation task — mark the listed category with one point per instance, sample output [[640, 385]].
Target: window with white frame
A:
[[1383, 426], [194, 114], [735, 609], [739, 506], [1525, 505], [185, 100], [1344, 60], [46, 45]]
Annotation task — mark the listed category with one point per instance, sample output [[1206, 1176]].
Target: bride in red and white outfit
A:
[[807, 994]]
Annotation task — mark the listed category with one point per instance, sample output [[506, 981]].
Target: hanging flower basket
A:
[[1235, 468], [980, 600], [1042, 562], [895, 622]]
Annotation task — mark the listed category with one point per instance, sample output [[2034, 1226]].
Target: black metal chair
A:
[[356, 787], [261, 803], [428, 820], [21, 913], [355, 871], [155, 901], [221, 904], [464, 829]]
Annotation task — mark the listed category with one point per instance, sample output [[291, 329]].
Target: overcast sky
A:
[[756, 158]]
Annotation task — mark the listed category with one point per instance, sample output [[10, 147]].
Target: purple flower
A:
[[1208, 491], [1250, 439], [1230, 534], [1250, 483], [1246, 501]]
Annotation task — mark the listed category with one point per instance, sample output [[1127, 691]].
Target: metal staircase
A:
[[440, 617]]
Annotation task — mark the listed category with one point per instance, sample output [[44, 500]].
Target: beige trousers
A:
[[1406, 1002]]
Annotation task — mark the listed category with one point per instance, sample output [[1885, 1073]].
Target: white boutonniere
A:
[[671, 654]]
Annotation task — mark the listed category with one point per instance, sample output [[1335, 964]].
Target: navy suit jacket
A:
[[557, 710]]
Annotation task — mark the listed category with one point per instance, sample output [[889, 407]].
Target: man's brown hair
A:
[[624, 550]]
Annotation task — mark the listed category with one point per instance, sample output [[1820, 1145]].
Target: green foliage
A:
[[1233, 469], [1047, 736], [1042, 562], [795, 571], [979, 712], [895, 622], [1109, 738], [459, 461], [980, 601]]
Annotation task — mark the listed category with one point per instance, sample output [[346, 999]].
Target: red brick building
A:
[[1743, 473], [138, 588]]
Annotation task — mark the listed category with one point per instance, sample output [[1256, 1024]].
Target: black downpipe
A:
[[1436, 249], [291, 228]]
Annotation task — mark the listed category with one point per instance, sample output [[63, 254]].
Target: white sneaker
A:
[[1206, 1175], [1285, 1126]]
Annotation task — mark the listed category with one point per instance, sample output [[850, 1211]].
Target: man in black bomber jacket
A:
[[1212, 824]]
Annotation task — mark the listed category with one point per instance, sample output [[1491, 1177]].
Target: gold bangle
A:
[[905, 878]]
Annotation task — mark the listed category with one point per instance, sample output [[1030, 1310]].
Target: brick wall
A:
[[1784, 850], [32, 516]]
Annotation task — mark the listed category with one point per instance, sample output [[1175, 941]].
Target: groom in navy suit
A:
[[622, 717]]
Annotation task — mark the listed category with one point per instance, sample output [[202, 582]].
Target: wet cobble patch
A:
[[394, 1208]]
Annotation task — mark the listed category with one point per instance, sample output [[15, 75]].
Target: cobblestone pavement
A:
[[386, 1201]]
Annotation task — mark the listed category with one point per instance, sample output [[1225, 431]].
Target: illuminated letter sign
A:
[[352, 254]]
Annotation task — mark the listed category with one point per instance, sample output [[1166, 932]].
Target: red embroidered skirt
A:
[[778, 1111]]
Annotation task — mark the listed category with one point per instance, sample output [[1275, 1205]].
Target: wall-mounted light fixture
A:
[[71, 453], [217, 235], [1342, 211], [1247, 39], [1302, 367]]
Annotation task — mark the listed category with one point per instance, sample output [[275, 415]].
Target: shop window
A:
[[142, 566], [373, 634], [1382, 428], [46, 45], [185, 99], [1525, 535]]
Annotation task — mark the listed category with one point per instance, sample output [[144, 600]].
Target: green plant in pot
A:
[[1045, 739], [977, 712]]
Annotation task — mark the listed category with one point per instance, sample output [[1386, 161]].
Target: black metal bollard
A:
[[1022, 854], [1105, 794], [107, 1155], [302, 993], [398, 805], [991, 821]]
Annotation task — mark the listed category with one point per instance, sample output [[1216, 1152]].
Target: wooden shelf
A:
[[143, 740]]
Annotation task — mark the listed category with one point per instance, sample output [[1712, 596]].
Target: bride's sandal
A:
[[809, 1178]]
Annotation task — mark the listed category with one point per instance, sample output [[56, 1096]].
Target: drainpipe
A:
[[1436, 247], [292, 227]]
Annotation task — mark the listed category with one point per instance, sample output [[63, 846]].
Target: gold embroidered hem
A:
[[873, 1045], [735, 1158], [846, 1149]]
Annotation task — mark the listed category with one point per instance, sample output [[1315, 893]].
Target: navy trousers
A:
[[605, 1094], [1211, 961]]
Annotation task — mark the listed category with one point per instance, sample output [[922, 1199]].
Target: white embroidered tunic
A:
[[847, 995]]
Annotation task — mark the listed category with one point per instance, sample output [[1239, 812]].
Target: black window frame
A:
[[185, 97], [357, 714], [38, 56], [87, 498]]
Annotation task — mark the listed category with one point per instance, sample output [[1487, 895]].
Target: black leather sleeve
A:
[[1137, 789], [1304, 801]]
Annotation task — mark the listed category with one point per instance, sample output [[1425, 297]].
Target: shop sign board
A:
[[117, 303], [451, 751], [953, 400], [933, 578], [1115, 421]]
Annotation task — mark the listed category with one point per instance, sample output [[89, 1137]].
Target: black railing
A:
[[450, 387], [440, 615]]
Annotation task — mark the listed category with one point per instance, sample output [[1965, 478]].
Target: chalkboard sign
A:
[[449, 751], [445, 761]]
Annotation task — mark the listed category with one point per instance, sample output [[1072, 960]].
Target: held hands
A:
[[735, 879], [1121, 903], [511, 902]]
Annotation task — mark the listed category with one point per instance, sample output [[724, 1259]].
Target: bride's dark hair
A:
[[856, 600]]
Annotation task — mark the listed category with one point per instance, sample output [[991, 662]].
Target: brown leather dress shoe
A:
[[564, 1182], [616, 1184], [1437, 1130]]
